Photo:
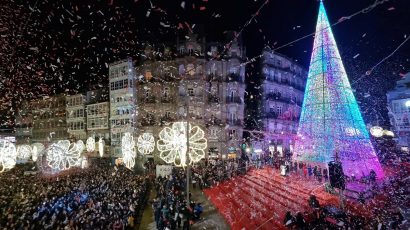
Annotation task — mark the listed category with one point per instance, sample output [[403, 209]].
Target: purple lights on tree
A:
[[331, 123]]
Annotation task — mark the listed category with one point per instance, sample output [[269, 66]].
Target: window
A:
[[279, 110], [167, 114], [190, 91], [166, 92], [232, 133]]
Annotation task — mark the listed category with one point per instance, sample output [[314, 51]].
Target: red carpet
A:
[[260, 199]]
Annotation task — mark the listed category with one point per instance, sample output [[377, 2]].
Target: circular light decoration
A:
[[407, 103], [24, 152], [8, 155], [36, 151], [172, 144], [101, 144], [146, 143], [64, 155], [388, 133], [128, 150], [90, 144], [376, 131]]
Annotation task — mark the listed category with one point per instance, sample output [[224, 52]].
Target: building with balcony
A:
[[49, 119], [76, 117], [201, 79], [398, 101], [122, 102], [24, 124], [98, 116], [282, 97]]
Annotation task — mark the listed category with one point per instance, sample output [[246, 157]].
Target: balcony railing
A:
[[272, 115], [148, 122], [165, 120], [213, 99], [166, 99], [233, 77], [150, 99], [234, 100], [213, 121], [234, 122]]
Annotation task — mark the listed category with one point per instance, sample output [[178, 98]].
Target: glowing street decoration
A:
[[146, 143], [128, 150], [376, 131], [8, 155], [172, 144], [64, 155], [330, 118], [101, 144], [37, 150], [24, 152], [388, 133], [90, 144]]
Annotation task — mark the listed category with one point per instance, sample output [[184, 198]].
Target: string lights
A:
[[8, 155], [24, 152], [63, 155], [90, 144], [172, 144], [128, 150], [101, 144], [37, 150], [331, 123], [146, 143]]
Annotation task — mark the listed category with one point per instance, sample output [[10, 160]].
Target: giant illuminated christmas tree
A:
[[331, 123]]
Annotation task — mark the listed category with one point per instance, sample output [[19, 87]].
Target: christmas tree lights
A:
[[331, 123]]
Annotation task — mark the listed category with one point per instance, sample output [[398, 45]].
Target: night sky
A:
[[55, 46]]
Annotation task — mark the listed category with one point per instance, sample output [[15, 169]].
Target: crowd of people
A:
[[102, 196], [171, 208]]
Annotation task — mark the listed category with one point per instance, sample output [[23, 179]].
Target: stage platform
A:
[[261, 198]]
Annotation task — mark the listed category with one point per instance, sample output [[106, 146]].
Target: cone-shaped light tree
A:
[[331, 123]]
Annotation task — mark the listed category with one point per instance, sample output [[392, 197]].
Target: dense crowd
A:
[[100, 197], [171, 208]]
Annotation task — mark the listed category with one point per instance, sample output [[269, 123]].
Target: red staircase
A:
[[261, 198]]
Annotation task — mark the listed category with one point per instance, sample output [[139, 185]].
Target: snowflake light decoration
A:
[[173, 145], [36, 151], [146, 143], [101, 144], [64, 155], [24, 152], [90, 144], [8, 155], [128, 150]]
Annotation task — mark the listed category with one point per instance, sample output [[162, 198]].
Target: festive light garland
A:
[[146, 143], [376, 131], [64, 155], [8, 155], [24, 152], [330, 117], [172, 144], [37, 150], [128, 150], [101, 144], [90, 144]]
